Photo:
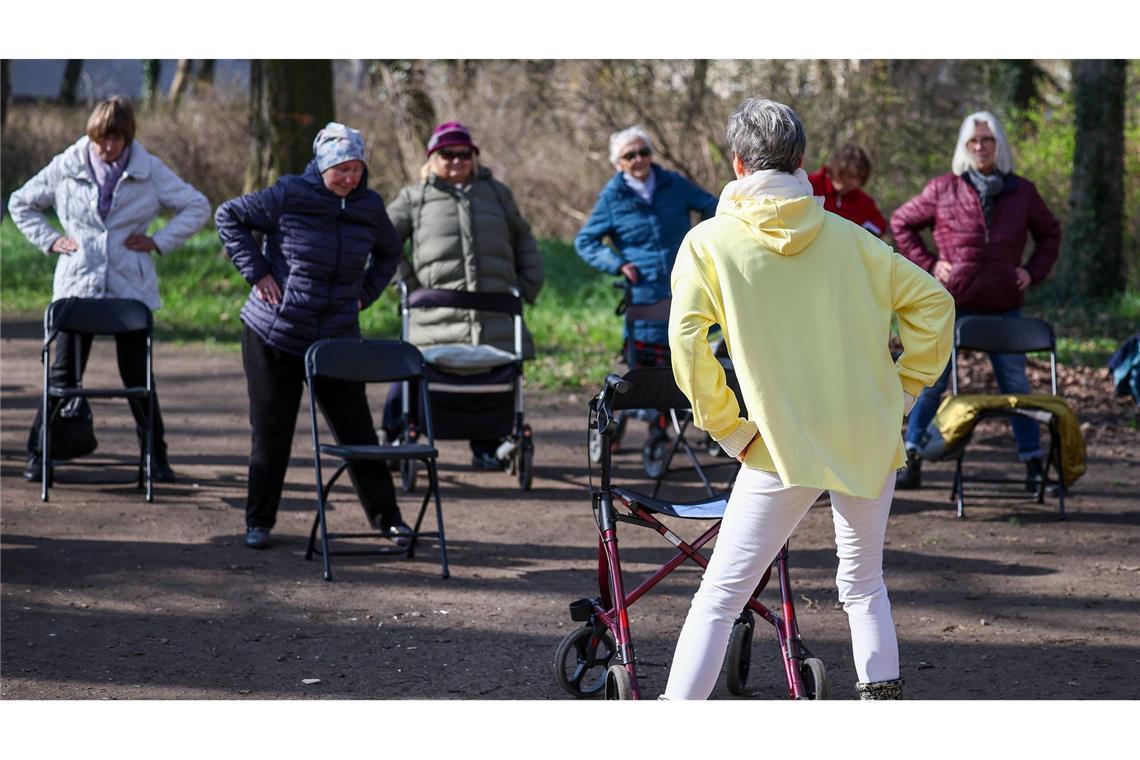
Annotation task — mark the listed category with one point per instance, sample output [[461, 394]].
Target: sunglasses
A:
[[644, 153], [452, 155]]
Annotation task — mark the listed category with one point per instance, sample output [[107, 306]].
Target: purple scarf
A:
[[106, 175]]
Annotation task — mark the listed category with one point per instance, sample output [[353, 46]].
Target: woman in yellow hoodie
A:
[[804, 298]]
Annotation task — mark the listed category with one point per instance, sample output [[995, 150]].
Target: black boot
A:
[[910, 477], [34, 472], [880, 689], [1034, 474]]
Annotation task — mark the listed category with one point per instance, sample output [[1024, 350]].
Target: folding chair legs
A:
[[320, 522]]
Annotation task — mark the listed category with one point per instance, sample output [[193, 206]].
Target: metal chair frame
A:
[[1011, 335], [96, 316], [369, 361]]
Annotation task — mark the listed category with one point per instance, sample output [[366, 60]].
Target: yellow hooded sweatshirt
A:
[[805, 299]]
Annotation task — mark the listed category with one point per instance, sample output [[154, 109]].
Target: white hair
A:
[[964, 160], [624, 137]]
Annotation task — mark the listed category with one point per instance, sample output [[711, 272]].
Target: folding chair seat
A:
[[370, 361], [96, 316], [1009, 335]]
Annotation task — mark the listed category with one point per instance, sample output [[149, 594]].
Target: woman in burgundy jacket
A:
[[981, 215]]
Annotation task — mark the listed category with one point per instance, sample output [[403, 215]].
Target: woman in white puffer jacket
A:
[[106, 190]]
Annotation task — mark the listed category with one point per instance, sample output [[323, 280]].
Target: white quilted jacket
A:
[[103, 267]]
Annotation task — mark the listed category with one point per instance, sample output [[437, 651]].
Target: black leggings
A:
[[275, 380]]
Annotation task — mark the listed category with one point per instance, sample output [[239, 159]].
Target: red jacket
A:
[[984, 260], [854, 205]]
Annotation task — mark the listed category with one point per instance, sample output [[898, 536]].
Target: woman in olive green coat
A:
[[467, 234]]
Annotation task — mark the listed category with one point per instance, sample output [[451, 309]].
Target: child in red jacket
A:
[[839, 183]]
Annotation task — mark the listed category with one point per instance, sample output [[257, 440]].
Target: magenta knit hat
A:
[[448, 134]]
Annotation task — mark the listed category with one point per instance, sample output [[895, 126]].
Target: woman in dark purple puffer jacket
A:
[[982, 215], [329, 250]]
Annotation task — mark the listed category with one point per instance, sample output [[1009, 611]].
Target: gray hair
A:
[[624, 137], [767, 135], [964, 160]]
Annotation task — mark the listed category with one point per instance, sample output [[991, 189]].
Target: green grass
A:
[[577, 334], [575, 329]]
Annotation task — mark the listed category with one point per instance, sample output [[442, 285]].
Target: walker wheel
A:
[[526, 463], [581, 661], [653, 455], [814, 676], [618, 683], [408, 475], [595, 446], [739, 660]]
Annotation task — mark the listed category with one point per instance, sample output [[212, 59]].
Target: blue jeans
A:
[[1009, 370]]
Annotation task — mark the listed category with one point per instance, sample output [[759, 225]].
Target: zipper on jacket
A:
[[336, 269]]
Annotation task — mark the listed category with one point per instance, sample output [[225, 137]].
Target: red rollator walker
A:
[[599, 656]]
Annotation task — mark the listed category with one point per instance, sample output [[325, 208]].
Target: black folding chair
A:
[[96, 316], [370, 361], [1009, 335]]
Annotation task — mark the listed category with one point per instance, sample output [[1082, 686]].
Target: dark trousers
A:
[[275, 380], [72, 351]]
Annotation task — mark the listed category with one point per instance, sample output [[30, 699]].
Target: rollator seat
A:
[[708, 508], [407, 451]]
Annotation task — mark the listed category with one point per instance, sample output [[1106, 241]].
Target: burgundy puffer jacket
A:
[[984, 260]]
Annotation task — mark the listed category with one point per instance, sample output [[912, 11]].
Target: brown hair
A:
[[850, 160], [113, 117]]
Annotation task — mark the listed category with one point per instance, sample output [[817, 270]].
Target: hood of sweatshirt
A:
[[781, 213]]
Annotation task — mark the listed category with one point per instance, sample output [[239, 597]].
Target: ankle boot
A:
[[910, 477], [880, 689]]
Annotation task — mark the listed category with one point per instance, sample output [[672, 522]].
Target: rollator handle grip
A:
[[616, 382]]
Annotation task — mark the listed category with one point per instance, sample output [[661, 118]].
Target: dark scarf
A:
[[988, 187]]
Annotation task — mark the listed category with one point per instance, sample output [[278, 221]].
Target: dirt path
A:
[[104, 596]]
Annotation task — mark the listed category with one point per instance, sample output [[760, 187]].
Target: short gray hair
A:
[[964, 159], [624, 137], [767, 135]]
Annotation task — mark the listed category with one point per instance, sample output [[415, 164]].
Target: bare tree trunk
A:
[[204, 77], [182, 72], [1092, 257], [290, 101], [5, 91], [415, 112], [152, 72], [69, 86]]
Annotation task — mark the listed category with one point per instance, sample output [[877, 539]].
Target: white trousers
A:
[[761, 515]]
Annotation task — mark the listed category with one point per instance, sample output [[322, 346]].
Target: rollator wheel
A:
[[815, 678], [526, 464], [653, 455], [408, 473], [595, 446], [618, 683], [581, 661], [739, 660]]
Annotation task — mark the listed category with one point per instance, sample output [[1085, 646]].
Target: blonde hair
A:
[[426, 171], [113, 116], [963, 160]]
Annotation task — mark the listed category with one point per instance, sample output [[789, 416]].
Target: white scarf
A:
[[768, 183], [643, 189]]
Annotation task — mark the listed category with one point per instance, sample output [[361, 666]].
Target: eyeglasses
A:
[[455, 155], [974, 142], [644, 153]]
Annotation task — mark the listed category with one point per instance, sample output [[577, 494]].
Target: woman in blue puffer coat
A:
[[328, 252], [644, 210]]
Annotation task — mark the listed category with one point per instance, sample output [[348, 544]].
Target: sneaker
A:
[[257, 538], [1034, 474], [401, 533], [486, 461], [34, 471], [910, 477]]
